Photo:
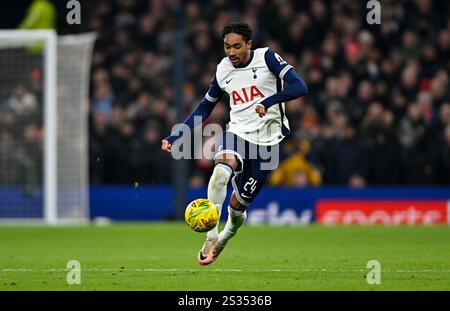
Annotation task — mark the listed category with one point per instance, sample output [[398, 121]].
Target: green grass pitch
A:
[[162, 256]]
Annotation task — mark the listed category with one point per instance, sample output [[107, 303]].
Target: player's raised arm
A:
[[296, 86], [203, 110]]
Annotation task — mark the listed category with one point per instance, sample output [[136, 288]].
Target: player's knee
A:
[[220, 177], [227, 159], [235, 204]]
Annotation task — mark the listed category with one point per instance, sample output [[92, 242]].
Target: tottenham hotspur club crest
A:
[[254, 73]]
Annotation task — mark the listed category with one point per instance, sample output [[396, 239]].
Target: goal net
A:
[[44, 90]]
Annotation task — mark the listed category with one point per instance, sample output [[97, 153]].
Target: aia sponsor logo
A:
[[246, 95]]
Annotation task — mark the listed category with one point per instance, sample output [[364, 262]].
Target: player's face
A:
[[237, 50]]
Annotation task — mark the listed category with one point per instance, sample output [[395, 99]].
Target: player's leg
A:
[[225, 164], [237, 215], [228, 161], [246, 185]]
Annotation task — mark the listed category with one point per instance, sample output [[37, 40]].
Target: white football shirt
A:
[[247, 86]]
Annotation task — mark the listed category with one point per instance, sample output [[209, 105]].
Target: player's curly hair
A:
[[240, 28]]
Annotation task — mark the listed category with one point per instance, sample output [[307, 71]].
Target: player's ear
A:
[[249, 44]]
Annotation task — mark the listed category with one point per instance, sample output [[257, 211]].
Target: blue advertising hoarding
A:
[[282, 206]]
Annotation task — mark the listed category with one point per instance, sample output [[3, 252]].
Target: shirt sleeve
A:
[[202, 111], [276, 63], [296, 86]]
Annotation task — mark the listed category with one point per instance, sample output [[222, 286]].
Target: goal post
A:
[[44, 89]]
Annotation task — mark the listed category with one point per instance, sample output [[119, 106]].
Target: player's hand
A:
[[165, 145], [260, 110]]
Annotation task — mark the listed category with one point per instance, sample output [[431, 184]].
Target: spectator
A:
[[296, 170], [419, 153], [41, 15], [150, 165], [348, 160], [444, 158], [22, 102]]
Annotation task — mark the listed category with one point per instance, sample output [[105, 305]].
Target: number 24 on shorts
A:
[[252, 184]]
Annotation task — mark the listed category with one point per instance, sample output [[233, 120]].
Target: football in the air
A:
[[201, 215]]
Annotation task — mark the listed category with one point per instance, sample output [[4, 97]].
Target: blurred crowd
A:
[[21, 133], [377, 111]]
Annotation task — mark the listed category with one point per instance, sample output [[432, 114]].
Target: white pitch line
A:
[[222, 270]]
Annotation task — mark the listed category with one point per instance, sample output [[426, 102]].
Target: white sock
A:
[[217, 191], [234, 221]]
